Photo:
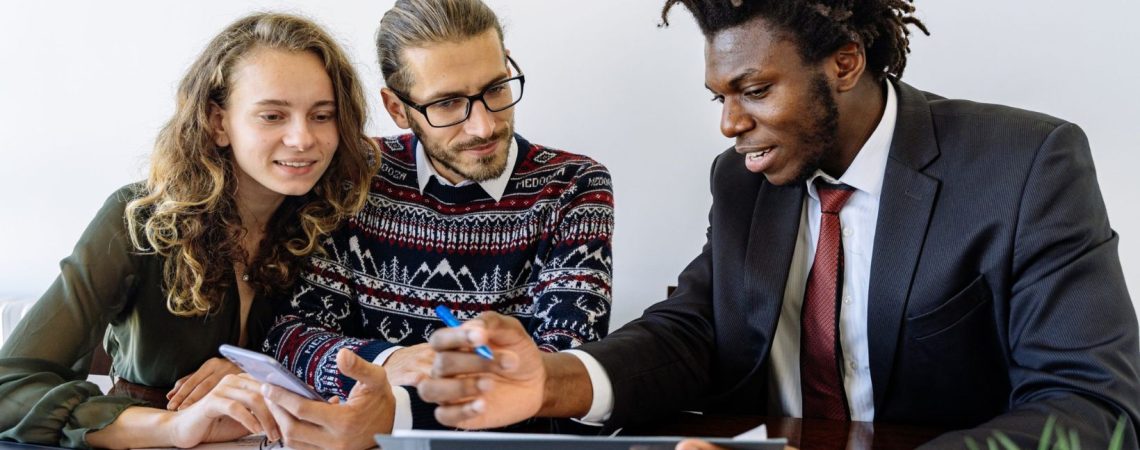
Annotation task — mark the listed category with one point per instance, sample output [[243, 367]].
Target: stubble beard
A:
[[486, 168], [821, 136]]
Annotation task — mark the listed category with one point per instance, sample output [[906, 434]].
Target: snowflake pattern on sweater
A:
[[540, 254]]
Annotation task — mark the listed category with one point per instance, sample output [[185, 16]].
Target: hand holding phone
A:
[[267, 370]]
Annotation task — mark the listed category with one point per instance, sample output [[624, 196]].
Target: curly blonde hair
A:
[[187, 211]]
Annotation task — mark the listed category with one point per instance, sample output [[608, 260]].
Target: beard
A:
[[485, 168], [820, 136]]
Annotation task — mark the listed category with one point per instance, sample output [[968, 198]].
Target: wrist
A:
[[166, 425], [565, 380], [136, 427]]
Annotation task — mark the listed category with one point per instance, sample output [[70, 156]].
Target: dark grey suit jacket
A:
[[996, 294]]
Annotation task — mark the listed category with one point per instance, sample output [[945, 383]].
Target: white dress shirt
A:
[[858, 219], [495, 188]]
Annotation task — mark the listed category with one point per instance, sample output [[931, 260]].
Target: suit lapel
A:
[[771, 242], [905, 206]]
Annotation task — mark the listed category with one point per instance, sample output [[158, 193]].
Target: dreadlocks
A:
[[820, 27]]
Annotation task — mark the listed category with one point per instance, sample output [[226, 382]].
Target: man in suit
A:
[[875, 253]]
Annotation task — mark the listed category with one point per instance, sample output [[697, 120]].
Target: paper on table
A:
[[452, 440], [759, 433]]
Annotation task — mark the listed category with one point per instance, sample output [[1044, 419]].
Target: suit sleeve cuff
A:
[[402, 420], [383, 356], [603, 404]]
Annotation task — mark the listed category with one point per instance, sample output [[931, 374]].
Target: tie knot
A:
[[832, 197]]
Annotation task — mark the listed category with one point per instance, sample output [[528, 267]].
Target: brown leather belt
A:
[[153, 397]]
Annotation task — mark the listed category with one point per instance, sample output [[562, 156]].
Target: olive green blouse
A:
[[106, 291]]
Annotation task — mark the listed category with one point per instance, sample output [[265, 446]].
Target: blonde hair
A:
[[187, 212], [417, 23]]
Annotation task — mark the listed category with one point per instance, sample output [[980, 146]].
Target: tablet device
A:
[[468, 440], [267, 370]]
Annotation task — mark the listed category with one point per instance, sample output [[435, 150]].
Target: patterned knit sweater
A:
[[541, 254]]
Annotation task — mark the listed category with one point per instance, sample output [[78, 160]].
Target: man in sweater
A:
[[463, 213]]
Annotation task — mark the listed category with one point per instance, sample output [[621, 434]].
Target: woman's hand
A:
[[193, 387], [232, 409]]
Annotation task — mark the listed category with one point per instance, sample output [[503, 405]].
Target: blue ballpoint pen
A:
[[450, 320]]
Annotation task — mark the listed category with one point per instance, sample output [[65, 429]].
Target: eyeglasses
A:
[[454, 110]]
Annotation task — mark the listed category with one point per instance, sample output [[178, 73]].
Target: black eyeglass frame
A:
[[422, 108]]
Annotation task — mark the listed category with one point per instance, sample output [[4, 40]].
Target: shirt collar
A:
[[494, 187], [866, 172]]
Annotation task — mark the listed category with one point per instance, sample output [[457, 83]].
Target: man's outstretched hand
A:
[[476, 393]]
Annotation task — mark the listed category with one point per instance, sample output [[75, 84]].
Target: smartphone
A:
[[266, 369]]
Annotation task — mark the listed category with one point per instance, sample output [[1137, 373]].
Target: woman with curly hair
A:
[[265, 153]]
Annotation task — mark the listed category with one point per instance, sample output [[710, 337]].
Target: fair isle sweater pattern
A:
[[541, 254]]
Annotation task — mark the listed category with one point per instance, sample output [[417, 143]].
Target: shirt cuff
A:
[[402, 420], [383, 356], [603, 404]]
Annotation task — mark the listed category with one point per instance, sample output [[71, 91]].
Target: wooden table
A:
[[806, 434]]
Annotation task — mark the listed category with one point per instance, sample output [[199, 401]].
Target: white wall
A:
[[84, 87]]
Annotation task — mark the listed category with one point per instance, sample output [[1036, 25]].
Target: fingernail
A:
[[484, 384], [508, 361]]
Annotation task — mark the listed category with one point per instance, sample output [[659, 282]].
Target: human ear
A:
[[395, 108], [847, 65], [217, 126]]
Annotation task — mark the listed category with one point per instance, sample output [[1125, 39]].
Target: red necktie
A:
[[820, 378]]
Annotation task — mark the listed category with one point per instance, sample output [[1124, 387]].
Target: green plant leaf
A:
[[1065, 439], [1117, 441], [1047, 434], [1062, 442], [1005, 441]]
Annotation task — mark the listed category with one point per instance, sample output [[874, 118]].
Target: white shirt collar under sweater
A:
[[494, 187]]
